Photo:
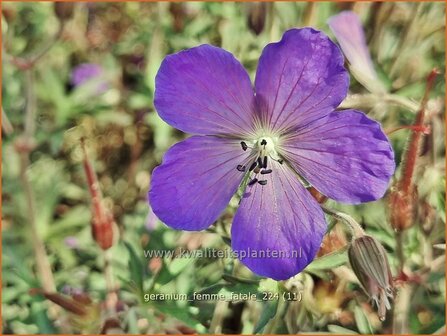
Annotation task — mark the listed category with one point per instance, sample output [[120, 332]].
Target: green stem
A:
[[111, 297], [6, 124], [399, 234], [274, 322], [357, 230]]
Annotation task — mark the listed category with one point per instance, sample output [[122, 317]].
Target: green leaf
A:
[[268, 312], [39, 316], [328, 261], [179, 313], [136, 267], [240, 288], [362, 321], [335, 329], [132, 321], [213, 289], [172, 269]]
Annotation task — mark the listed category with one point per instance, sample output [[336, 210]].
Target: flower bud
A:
[[103, 226], [104, 230], [179, 15], [64, 10], [370, 264], [401, 209], [257, 13]]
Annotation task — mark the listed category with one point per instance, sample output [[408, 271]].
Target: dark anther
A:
[[263, 142], [244, 145], [266, 171], [241, 168], [252, 181], [264, 164], [260, 162], [280, 161], [253, 166], [262, 182]]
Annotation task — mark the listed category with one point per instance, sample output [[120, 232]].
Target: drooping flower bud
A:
[[103, 224], [370, 264]]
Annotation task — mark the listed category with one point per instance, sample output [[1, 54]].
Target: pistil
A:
[[265, 147]]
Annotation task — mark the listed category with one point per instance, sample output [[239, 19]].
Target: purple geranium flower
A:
[[86, 72], [278, 135]]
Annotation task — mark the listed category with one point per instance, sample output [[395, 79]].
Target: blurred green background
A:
[[49, 104]]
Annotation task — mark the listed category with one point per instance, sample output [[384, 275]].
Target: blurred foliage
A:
[[126, 140]]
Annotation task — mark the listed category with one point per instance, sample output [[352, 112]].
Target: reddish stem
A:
[[425, 129], [92, 181], [409, 162]]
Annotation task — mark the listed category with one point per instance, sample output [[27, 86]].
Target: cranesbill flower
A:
[[87, 72], [348, 30], [275, 136]]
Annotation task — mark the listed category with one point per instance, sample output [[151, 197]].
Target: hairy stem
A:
[[111, 297], [357, 230], [6, 124], [414, 144], [399, 234]]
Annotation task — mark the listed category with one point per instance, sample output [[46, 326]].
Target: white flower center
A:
[[264, 148]]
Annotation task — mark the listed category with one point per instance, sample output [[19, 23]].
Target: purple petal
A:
[[86, 72], [346, 156], [71, 242], [196, 181], [204, 90], [299, 79], [151, 220], [280, 216], [348, 30]]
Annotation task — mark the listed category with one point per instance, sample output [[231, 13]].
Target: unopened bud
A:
[[64, 10], [401, 209], [178, 12], [370, 264], [69, 304], [104, 230], [257, 13]]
